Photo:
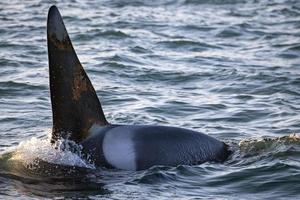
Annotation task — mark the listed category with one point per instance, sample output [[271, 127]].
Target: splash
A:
[[251, 147], [64, 152]]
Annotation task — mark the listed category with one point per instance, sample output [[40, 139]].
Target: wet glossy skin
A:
[[140, 147], [78, 116]]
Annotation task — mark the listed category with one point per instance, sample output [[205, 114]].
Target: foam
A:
[[33, 149]]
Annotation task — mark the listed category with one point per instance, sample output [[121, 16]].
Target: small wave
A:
[[138, 3], [252, 147], [217, 2], [291, 52], [295, 48], [124, 59], [140, 50], [113, 34], [156, 175], [109, 34], [11, 88], [229, 32], [187, 45], [21, 85]]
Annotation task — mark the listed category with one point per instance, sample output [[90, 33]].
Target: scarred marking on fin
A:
[[75, 105], [64, 44], [80, 83]]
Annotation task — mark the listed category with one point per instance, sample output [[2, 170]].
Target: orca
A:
[[78, 116]]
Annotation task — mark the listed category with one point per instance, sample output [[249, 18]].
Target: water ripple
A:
[[227, 68]]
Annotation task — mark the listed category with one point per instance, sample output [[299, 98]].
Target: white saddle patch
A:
[[118, 149]]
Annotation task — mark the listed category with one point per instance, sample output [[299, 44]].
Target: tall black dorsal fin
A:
[[75, 105]]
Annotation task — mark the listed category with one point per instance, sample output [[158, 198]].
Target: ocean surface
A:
[[226, 68]]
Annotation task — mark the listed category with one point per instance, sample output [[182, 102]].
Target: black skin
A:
[[160, 145], [76, 108]]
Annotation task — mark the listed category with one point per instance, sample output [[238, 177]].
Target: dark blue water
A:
[[227, 68]]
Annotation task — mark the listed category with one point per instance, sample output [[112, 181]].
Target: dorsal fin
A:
[[75, 105]]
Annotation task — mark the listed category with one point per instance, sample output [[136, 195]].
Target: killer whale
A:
[[78, 116]]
